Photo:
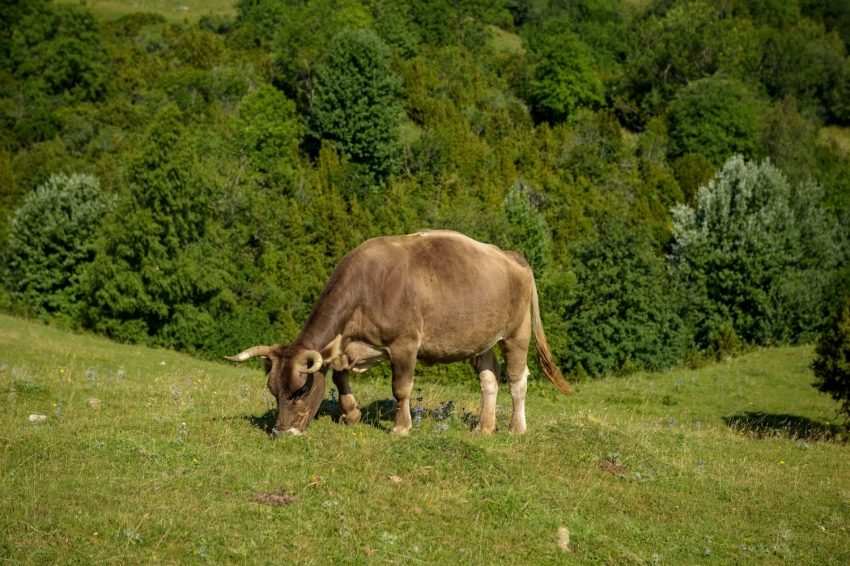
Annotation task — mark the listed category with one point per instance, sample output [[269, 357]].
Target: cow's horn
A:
[[262, 351], [314, 362]]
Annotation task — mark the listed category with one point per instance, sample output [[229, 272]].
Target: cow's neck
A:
[[328, 318]]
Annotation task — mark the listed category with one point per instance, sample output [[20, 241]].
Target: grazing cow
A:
[[434, 296]]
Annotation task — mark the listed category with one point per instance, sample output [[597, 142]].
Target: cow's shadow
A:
[[264, 422], [379, 414], [376, 414], [768, 425]]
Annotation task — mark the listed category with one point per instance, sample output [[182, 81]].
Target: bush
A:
[[51, 242], [832, 359]]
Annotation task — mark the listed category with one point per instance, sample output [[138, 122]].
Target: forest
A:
[[676, 172]]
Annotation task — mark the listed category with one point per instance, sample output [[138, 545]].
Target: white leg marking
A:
[[518, 390]]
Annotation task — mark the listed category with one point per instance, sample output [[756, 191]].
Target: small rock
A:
[[395, 479], [34, 418], [94, 403], [564, 540]]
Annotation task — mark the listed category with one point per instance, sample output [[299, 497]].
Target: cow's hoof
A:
[[352, 417], [483, 430]]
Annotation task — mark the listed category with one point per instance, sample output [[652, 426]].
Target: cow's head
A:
[[296, 377]]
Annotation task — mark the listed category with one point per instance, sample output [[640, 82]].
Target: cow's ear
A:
[[332, 352]]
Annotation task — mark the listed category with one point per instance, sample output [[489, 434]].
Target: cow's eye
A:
[[301, 392]]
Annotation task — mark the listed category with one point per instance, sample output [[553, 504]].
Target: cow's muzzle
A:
[[293, 431]]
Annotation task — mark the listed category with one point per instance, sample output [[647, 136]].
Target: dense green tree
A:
[[832, 358], [158, 275], [564, 80], [57, 51], [51, 241], [269, 133], [716, 118], [623, 316], [354, 102], [756, 253]]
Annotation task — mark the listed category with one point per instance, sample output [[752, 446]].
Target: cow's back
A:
[[457, 295]]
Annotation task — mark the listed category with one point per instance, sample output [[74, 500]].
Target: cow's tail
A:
[[544, 355]]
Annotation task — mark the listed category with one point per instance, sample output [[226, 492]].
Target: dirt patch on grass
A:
[[276, 498], [613, 468]]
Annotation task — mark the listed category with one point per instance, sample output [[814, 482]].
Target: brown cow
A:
[[434, 296]]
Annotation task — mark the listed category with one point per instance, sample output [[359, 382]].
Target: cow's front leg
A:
[[488, 370], [403, 366], [348, 406]]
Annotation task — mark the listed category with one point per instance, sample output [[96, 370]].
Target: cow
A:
[[434, 296]]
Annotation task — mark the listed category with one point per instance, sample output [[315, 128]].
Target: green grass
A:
[[164, 471], [175, 11]]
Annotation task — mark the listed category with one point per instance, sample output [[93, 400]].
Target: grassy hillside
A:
[[174, 10], [148, 456]]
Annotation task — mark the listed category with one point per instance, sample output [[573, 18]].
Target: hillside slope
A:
[[149, 456]]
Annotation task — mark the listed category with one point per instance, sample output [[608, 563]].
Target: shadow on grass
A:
[[376, 414], [264, 422], [377, 411], [768, 425], [372, 415]]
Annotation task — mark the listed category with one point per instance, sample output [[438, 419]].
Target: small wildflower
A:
[[781, 463], [672, 422], [701, 463], [699, 425]]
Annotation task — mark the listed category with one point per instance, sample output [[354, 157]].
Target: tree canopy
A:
[[676, 172]]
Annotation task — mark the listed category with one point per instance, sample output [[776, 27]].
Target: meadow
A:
[[150, 456], [172, 10]]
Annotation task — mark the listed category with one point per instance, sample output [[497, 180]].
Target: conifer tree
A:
[[354, 106]]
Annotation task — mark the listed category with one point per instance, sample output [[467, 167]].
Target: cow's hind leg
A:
[[348, 406], [515, 352], [487, 367], [403, 365]]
